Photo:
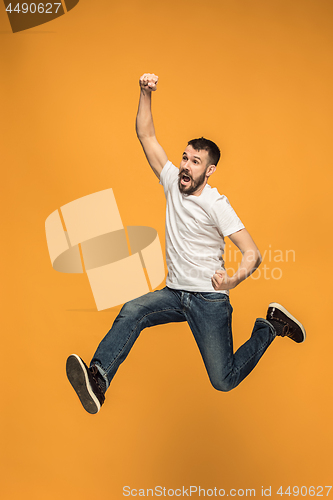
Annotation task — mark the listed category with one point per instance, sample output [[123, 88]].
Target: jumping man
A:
[[198, 219]]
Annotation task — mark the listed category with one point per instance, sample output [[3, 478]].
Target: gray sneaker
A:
[[85, 382], [284, 323]]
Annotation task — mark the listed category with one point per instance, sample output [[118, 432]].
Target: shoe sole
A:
[[78, 377], [287, 313]]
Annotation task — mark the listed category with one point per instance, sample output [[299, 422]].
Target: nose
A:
[[186, 165]]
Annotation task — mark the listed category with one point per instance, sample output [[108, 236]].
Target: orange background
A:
[[255, 76]]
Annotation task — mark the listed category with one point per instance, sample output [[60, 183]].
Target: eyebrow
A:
[[198, 157]]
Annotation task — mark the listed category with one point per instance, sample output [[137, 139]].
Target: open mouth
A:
[[185, 179]]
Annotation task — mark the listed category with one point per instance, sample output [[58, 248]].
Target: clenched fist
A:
[[221, 280], [148, 81]]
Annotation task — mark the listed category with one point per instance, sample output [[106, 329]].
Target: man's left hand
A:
[[221, 280]]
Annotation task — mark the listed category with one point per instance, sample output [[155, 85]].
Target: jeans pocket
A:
[[213, 296]]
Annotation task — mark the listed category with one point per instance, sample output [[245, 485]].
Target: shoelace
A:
[[286, 330]]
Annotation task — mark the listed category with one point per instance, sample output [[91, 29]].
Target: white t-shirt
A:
[[194, 232]]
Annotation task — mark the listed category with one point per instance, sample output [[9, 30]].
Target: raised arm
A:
[[145, 130]]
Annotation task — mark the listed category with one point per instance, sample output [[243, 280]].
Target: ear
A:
[[210, 170]]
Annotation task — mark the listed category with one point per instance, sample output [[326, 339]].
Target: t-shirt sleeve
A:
[[225, 218], [168, 175]]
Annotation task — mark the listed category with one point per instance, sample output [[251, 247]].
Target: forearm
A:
[[144, 117], [145, 130], [250, 262]]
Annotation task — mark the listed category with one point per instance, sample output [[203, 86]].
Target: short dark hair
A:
[[214, 153]]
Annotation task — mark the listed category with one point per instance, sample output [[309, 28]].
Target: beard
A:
[[193, 185]]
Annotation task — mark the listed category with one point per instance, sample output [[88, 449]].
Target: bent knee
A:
[[128, 308], [130, 312], [223, 385]]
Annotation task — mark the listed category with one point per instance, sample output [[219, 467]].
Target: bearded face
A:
[[193, 175], [189, 185]]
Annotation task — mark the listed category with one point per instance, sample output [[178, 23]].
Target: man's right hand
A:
[[148, 82], [145, 130]]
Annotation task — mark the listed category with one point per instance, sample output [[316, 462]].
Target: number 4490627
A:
[[34, 8], [312, 491]]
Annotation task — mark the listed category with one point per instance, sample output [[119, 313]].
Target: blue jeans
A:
[[209, 317]]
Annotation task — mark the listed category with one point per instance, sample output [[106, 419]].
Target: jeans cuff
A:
[[103, 373], [270, 326]]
